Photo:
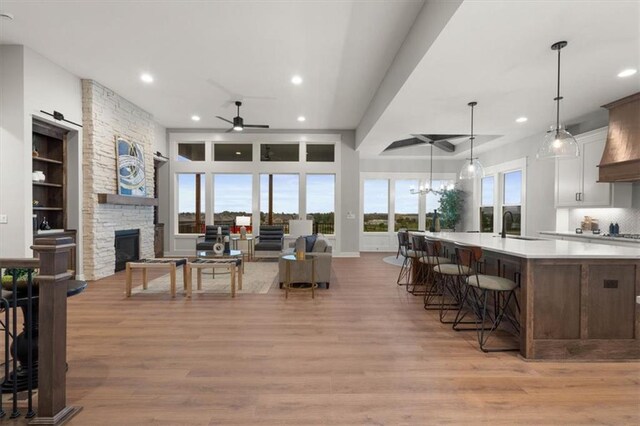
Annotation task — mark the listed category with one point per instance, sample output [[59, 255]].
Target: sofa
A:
[[320, 248]]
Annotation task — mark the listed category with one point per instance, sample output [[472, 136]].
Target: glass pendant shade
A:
[[558, 143], [471, 170]]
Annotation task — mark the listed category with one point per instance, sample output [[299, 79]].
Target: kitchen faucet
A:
[[503, 234]]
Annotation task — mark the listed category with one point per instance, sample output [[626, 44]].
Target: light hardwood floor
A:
[[364, 352]]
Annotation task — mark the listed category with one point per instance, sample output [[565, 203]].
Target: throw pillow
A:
[[310, 242], [301, 244], [320, 246]]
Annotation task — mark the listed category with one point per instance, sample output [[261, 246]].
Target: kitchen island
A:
[[577, 300]]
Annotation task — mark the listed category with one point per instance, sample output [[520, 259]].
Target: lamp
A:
[[473, 169], [429, 188], [243, 222], [558, 143]]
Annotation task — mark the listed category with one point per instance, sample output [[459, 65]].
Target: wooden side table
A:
[[291, 259], [145, 264]]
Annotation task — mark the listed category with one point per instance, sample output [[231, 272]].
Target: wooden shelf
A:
[[52, 209], [126, 200], [51, 185], [47, 160]]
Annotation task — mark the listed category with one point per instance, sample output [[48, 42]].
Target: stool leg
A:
[[240, 278], [184, 277], [144, 278], [233, 281], [173, 280], [188, 271], [127, 289], [199, 278]]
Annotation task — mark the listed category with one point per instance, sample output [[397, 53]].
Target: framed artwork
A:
[[131, 172]]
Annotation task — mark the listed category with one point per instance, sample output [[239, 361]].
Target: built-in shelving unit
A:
[[49, 157]]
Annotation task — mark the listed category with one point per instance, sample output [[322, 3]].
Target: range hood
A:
[[621, 157]]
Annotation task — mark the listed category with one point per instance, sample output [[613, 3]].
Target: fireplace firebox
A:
[[127, 243]]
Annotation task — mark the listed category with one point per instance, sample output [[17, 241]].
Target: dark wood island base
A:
[[572, 306]]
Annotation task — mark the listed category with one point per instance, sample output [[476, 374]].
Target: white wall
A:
[[31, 83]]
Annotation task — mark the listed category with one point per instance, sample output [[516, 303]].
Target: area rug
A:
[[257, 279], [393, 261]]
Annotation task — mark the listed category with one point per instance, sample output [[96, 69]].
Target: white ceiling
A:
[[342, 49], [498, 53]]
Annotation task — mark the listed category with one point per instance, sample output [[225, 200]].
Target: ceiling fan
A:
[[238, 122], [440, 141]]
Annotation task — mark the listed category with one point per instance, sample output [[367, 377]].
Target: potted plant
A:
[[450, 206]]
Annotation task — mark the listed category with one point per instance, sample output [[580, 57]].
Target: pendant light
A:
[[429, 188], [558, 143], [472, 169]]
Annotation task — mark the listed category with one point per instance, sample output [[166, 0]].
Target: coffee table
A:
[[210, 254]]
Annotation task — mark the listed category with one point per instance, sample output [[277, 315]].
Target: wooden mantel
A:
[[126, 200]]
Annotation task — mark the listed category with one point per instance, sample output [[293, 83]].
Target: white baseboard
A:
[[347, 254]]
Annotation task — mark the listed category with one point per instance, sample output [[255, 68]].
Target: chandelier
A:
[[428, 189]]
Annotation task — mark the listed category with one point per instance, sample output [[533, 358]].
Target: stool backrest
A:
[[403, 242], [467, 256], [433, 250], [418, 245]]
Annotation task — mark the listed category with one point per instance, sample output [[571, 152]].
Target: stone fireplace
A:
[[106, 115]]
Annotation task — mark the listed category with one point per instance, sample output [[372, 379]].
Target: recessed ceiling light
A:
[[301, 118], [297, 80], [195, 118], [147, 78], [521, 119], [238, 153], [5, 15], [628, 72]]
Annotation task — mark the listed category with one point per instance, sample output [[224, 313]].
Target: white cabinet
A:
[[577, 179]]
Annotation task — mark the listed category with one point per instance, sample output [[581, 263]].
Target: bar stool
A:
[[432, 257], [419, 265], [478, 289], [447, 281], [404, 250]]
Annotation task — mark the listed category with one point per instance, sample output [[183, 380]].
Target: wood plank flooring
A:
[[364, 352]]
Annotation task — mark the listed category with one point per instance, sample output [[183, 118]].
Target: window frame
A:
[[498, 171]]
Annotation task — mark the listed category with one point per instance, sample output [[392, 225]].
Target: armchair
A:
[[206, 241], [302, 273]]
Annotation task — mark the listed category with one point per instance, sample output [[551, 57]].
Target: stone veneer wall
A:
[[107, 115]]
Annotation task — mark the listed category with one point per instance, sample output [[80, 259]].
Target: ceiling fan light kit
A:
[[238, 122], [558, 143], [472, 169]]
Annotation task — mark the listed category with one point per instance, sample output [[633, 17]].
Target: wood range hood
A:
[[621, 157]]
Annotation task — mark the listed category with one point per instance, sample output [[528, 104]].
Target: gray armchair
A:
[[302, 272]]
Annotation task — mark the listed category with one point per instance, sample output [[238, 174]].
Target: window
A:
[[432, 202], [376, 205], [191, 152], [487, 189], [191, 203], [512, 201], [321, 152], [232, 197], [406, 206], [233, 152], [283, 203], [280, 152], [321, 202]]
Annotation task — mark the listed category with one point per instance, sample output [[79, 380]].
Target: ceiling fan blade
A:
[[257, 126], [445, 146], [404, 143], [224, 119]]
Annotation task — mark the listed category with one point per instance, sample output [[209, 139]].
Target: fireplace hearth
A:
[[127, 243]]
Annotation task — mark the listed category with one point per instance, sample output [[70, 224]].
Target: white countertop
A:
[[540, 249], [591, 236]]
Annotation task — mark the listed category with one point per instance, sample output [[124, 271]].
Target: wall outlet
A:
[[4, 218]]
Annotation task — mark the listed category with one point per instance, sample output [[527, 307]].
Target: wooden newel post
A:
[[52, 339]]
